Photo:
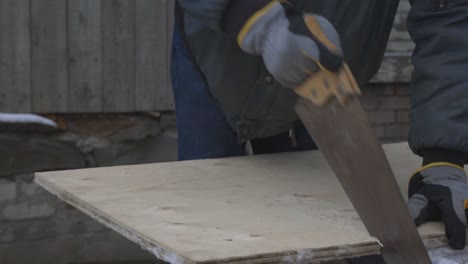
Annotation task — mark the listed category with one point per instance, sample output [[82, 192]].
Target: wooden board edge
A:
[[163, 253], [147, 244], [307, 255]]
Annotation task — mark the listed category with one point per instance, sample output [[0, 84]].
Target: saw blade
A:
[[344, 136]]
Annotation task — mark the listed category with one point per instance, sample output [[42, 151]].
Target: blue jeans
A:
[[202, 128]]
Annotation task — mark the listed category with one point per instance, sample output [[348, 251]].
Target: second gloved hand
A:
[[439, 192], [292, 45]]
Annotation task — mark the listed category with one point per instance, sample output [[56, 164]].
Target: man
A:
[[235, 63]]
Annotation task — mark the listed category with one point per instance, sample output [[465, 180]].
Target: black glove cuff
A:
[[432, 155], [415, 183]]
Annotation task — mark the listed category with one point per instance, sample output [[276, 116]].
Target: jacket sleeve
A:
[[222, 15], [439, 95]]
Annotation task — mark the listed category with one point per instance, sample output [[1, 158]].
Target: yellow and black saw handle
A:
[[324, 85]]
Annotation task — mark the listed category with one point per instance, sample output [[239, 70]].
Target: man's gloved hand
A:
[[293, 45], [439, 192]]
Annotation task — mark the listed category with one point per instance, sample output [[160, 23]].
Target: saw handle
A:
[[324, 84]]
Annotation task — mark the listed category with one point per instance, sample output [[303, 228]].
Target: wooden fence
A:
[[85, 55], [70, 56]]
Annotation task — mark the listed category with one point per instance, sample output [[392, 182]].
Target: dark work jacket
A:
[[254, 103]]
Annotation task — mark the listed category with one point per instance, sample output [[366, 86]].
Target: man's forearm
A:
[[439, 127], [228, 16]]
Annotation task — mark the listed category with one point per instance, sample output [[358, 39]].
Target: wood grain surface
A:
[[259, 209]]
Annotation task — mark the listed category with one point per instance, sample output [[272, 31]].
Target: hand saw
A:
[[330, 110]]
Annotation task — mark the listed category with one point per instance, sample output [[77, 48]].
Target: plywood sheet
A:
[[260, 209]]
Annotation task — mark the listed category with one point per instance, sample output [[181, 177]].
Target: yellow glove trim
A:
[[254, 18], [436, 164], [316, 30]]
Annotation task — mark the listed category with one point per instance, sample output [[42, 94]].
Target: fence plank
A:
[[15, 59], [85, 61], [49, 56], [169, 105], [118, 55], [151, 81]]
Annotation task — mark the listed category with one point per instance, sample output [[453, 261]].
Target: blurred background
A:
[[85, 83]]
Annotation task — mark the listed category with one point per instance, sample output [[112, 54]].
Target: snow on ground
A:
[[446, 255], [25, 118]]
